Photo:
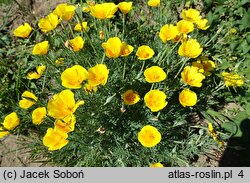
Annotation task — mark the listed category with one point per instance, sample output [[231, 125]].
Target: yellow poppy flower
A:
[[76, 44], [23, 31], [149, 136], [126, 49], [213, 133], [168, 32], [130, 97], [155, 100], [156, 165], [11, 121], [154, 74], [55, 139], [190, 48], [145, 52], [59, 61], [202, 24], [232, 79], [187, 98], [98, 75], [63, 104], [64, 11], [38, 115], [48, 23], [41, 48], [101, 34], [66, 124], [28, 100], [185, 26], [74, 76], [154, 3], [3, 132], [205, 65], [81, 27], [191, 76], [191, 15], [104, 10], [88, 88], [112, 47], [125, 7], [38, 73]]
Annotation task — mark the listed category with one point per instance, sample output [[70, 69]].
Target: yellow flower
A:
[[190, 48], [232, 79], [28, 99], [156, 165], [202, 24], [154, 74], [3, 132], [168, 32], [38, 73], [155, 100], [64, 11], [88, 88], [41, 48], [63, 104], [98, 75], [187, 98], [23, 31], [149, 136], [191, 76], [59, 61], [74, 76], [38, 115], [55, 139], [212, 132], [191, 15], [126, 49], [185, 26], [101, 34], [66, 125], [112, 47], [125, 7], [77, 43], [104, 10], [11, 121], [154, 3], [81, 27], [48, 23], [205, 65], [130, 97], [144, 52]]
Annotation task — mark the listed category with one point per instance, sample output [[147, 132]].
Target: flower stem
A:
[[124, 70], [163, 56], [183, 64], [123, 25]]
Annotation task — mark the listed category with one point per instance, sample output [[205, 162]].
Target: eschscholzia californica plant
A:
[[64, 11], [48, 23], [130, 97], [212, 132], [88, 88], [81, 27], [41, 48], [38, 73], [104, 10], [126, 49], [191, 15], [59, 61], [63, 104], [112, 47], [154, 74], [3, 132], [205, 65], [11, 121], [190, 48], [202, 24], [101, 34], [168, 32], [55, 139], [38, 115], [144, 52], [66, 124], [76, 44], [155, 100], [154, 3], [125, 7], [185, 26], [74, 76], [98, 75], [187, 98], [28, 100], [156, 165], [191, 76], [23, 31], [232, 79], [149, 136]]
